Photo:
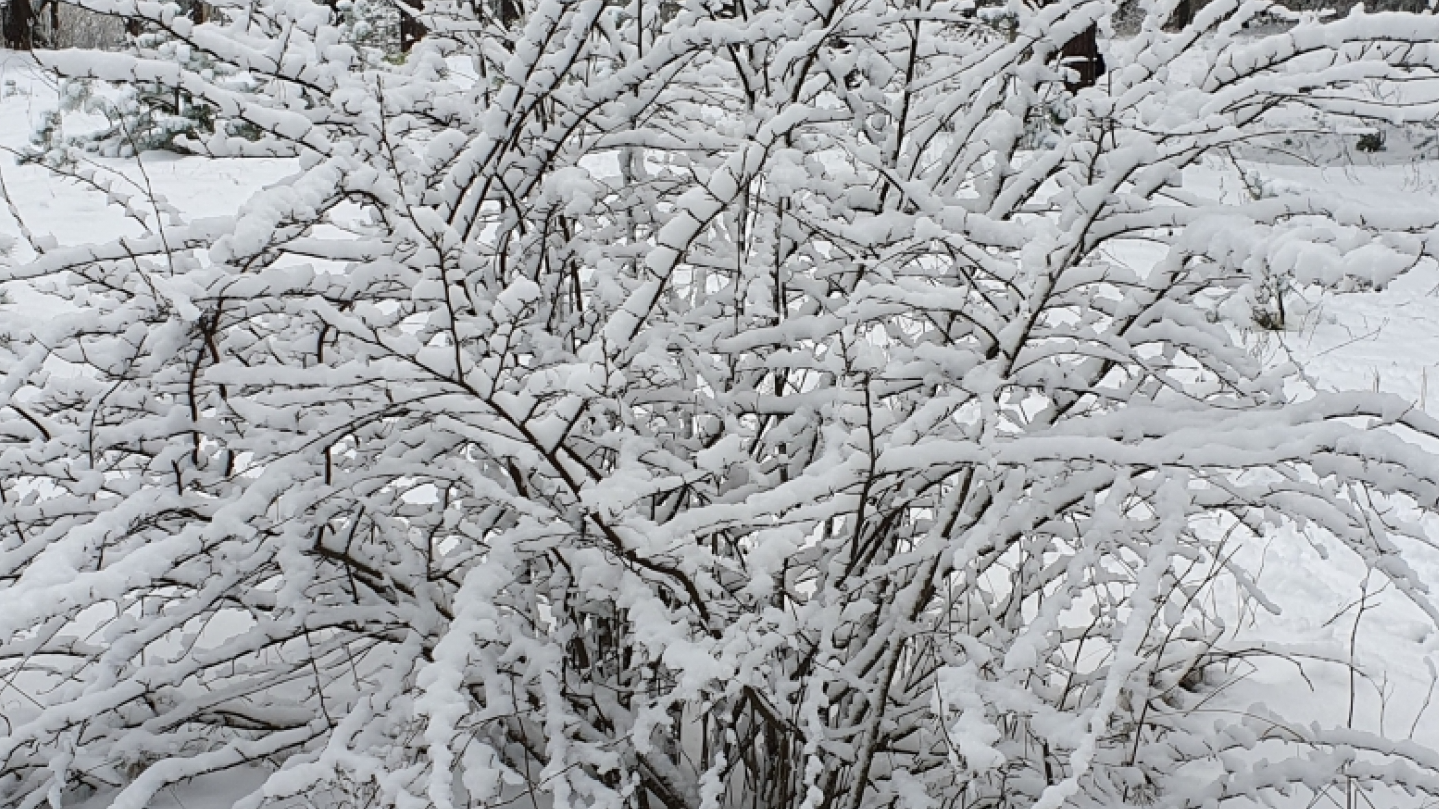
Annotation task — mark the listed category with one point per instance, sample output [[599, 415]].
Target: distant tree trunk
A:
[[1180, 19], [19, 25], [1081, 55], [411, 31], [508, 12]]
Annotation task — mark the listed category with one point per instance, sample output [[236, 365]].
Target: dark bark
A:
[[1081, 55], [19, 25], [508, 11], [1183, 14], [411, 31]]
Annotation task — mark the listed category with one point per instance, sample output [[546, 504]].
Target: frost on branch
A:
[[701, 405]]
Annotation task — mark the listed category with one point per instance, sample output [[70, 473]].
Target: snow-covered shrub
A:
[[371, 26], [144, 115], [47, 141], [723, 413], [150, 115]]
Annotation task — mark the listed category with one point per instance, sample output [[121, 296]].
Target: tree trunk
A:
[[1081, 55], [1180, 19], [19, 25], [411, 31], [508, 11]]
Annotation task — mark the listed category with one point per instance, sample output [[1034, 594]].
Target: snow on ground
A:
[[1387, 340], [51, 206]]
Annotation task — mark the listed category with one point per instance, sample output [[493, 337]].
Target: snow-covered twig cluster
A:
[[698, 406]]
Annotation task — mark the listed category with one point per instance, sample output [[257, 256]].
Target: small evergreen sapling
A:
[[141, 116]]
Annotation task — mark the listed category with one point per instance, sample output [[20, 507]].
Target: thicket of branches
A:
[[734, 406]]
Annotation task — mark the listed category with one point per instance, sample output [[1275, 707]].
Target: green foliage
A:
[[1371, 142], [138, 116], [47, 142], [372, 27]]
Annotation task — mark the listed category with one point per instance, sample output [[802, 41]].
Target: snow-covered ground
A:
[[72, 214], [1387, 340]]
